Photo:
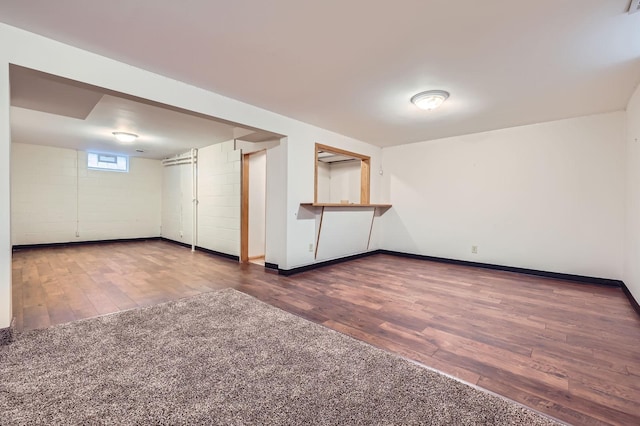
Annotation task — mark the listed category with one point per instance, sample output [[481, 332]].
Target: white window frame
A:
[[107, 162]]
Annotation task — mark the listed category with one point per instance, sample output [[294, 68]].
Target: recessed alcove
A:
[[341, 177], [344, 214]]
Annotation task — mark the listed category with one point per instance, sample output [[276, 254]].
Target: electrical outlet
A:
[[311, 247], [77, 234], [474, 249]]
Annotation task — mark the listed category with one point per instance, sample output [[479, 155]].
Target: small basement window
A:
[[110, 162]]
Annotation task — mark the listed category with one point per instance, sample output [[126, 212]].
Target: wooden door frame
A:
[[244, 207], [365, 171], [244, 210]]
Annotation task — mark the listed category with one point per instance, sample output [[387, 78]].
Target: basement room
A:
[[320, 213]]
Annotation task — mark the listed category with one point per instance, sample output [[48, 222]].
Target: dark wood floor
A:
[[566, 349]]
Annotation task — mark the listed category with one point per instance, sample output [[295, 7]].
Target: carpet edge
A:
[[15, 335], [411, 361], [480, 388], [7, 333]]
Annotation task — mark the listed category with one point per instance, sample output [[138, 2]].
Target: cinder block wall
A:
[[55, 198], [219, 188]]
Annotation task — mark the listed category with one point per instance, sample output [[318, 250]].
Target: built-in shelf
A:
[[385, 206]]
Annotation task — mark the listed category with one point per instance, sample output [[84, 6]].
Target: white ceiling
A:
[[351, 66], [54, 111]]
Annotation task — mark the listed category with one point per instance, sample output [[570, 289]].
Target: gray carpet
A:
[[226, 358]]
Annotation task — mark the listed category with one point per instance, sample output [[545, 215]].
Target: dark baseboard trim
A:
[[206, 250], [79, 243], [219, 253], [273, 266], [121, 240], [6, 334], [556, 275], [180, 243], [632, 300], [288, 272]]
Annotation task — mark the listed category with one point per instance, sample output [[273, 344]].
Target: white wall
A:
[[276, 202], [301, 230], [324, 183], [219, 186], [55, 198], [249, 147], [219, 175], [120, 205], [547, 196], [257, 203], [345, 182], [345, 231], [5, 194], [177, 203], [275, 195], [339, 181], [44, 194], [631, 275]]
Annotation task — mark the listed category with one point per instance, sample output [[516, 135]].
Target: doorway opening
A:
[[253, 220]]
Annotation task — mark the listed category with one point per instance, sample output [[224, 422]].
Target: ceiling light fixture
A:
[[430, 99], [125, 137]]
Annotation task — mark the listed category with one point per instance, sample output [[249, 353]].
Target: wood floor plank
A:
[[36, 316], [567, 349], [59, 310]]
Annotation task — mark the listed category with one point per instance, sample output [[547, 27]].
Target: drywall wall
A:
[[257, 203], [547, 196], [55, 198], [276, 196], [29, 50], [177, 203], [249, 147], [301, 230], [5, 197], [338, 182], [631, 275], [219, 177], [345, 231], [345, 182], [323, 189]]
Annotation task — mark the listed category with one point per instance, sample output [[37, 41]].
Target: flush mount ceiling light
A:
[[430, 99], [125, 137]]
